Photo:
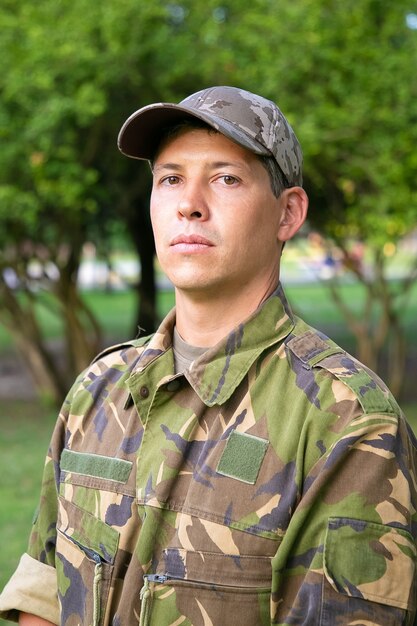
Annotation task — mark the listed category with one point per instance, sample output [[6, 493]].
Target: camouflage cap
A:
[[246, 118]]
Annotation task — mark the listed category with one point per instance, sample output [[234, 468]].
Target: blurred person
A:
[[237, 467]]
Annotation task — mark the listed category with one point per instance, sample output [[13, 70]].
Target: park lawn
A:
[[115, 311], [25, 433]]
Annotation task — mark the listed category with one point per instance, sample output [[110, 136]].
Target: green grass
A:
[[314, 303], [116, 311], [410, 410], [25, 433]]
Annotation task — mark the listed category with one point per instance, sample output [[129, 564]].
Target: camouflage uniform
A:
[[272, 483]]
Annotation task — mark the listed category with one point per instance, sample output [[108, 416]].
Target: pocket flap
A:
[[87, 530], [371, 561]]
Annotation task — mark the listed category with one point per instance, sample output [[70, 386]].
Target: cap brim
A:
[[140, 135]]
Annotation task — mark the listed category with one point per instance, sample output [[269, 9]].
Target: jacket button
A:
[[144, 391]]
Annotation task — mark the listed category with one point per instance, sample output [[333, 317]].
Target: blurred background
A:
[[77, 264]]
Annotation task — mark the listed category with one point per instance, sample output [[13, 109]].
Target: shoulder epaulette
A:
[[134, 343], [311, 348], [319, 351]]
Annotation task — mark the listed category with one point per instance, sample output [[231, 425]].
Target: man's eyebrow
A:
[[210, 165], [166, 166]]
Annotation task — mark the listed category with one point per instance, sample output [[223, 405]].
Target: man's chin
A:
[[197, 288]]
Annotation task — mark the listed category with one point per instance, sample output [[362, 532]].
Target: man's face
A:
[[214, 216]]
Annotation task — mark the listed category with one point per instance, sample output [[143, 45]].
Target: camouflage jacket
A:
[[272, 483]]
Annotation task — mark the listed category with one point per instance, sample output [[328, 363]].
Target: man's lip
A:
[[191, 239]]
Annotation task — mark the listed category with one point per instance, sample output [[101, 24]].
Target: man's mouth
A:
[[191, 242]]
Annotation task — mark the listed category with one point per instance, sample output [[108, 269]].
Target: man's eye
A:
[[170, 180], [229, 180]]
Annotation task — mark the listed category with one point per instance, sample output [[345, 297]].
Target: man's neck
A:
[[205, 321]]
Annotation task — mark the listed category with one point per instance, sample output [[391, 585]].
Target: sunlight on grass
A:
[[115, 310], [25, 433]]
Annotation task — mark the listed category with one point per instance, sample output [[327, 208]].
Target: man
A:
[[237, 467]]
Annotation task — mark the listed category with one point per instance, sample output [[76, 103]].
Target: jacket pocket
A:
[[85, 552], [202, 588], [369, 572]]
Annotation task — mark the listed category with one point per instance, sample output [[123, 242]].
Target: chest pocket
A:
[[85, 554], [95, 502], [369, 573], [202, 588]]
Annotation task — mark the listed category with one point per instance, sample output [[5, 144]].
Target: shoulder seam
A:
[[134, 343], [314, 351]]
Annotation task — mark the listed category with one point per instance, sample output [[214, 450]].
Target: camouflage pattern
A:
[[272, 483], [246, 118]]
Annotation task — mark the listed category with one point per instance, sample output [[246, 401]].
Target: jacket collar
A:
[[216, 374]]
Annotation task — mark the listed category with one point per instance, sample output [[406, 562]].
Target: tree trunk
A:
[[136, 215], [82, 331], [385, 338], [20, 319], [42, 367], [51, 372]]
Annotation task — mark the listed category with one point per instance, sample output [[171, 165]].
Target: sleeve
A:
[[33, 586], [349, 553]]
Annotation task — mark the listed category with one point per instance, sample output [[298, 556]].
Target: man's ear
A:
[[294, 212]]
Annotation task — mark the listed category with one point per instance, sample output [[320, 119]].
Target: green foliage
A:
[[72, 71], [342, 70], [351, 86]]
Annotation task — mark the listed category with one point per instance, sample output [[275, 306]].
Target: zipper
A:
[[146, 593], [157, 578], [163, 578], [98, 573]]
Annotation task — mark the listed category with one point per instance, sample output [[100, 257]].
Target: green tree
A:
[[352, 86], [73, 71]]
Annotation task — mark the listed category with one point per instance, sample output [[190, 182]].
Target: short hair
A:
[[277, 178]]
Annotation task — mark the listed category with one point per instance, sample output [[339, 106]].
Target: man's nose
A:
[[193, 204]]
